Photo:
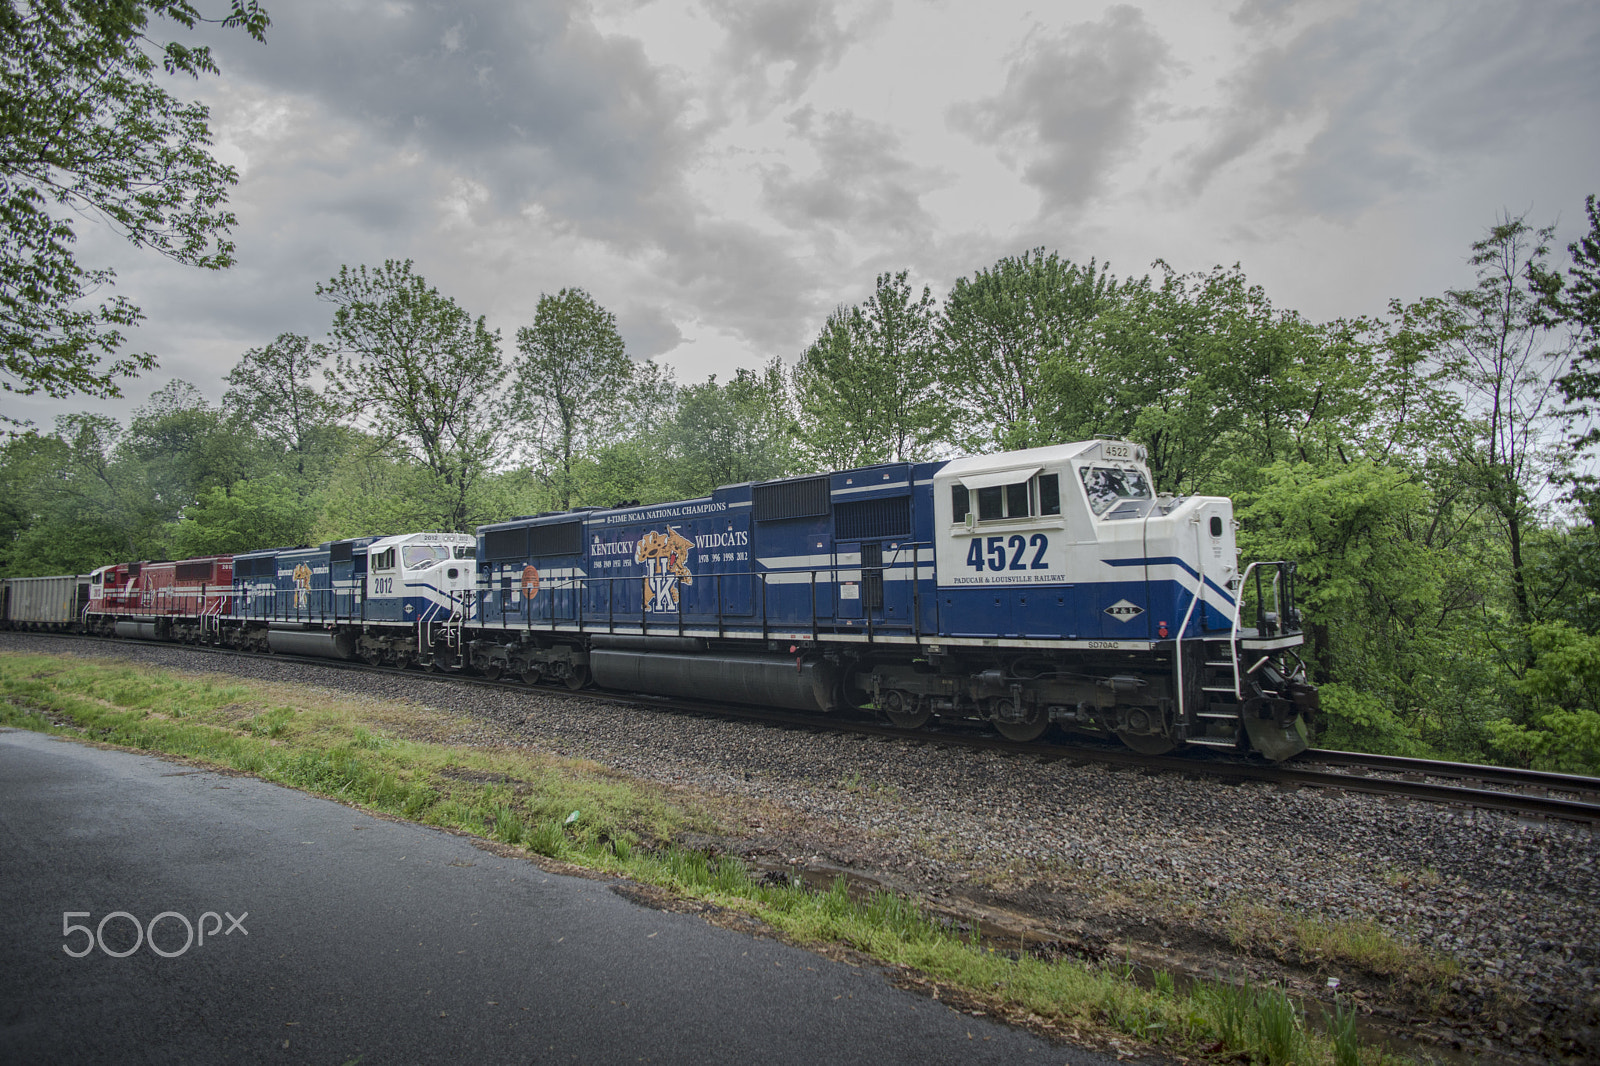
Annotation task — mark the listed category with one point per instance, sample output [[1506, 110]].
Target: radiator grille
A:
[[563, 539], [807, 498], [871, 519]]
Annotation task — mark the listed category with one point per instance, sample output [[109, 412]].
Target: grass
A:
[[1362, 944], [387, 758]]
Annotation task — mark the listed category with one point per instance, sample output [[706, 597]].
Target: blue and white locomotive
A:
[[400, 600], [1030, 588]]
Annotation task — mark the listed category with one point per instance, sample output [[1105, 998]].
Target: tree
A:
[[81, 502], [259, 513], [273, 390], [86, 131], [727, 434], [1577, 303], [867, 388], [1564, 685], [569, 382], [1497, 344], [417, 371], [997, 331], [838, 424], [180, 446], [1392, 602]]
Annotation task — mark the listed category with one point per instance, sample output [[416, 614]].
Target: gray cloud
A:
[[1071, 105], [567, 133], [776, 48], [862, 186], [530, 100], [647, 331], [1383, 98]]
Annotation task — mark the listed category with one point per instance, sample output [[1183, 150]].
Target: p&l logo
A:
[[1122, 610]]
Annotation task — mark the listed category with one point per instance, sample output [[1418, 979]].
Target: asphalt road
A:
[[337, 937]]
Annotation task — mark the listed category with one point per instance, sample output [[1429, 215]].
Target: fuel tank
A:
[[340, 645], [763, 681]]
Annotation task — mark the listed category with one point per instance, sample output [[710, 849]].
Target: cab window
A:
[[420, 556], [384, 560], [1109, 485], [1021, 499], [1049, 493]]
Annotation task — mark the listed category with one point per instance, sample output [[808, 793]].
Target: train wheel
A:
[[1029, 726], [578, 678], [372, 657], [531, 675], [1147, 743], [493, 671], [904, 710]]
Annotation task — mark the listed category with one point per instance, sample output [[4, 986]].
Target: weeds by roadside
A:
[[1363, 944]]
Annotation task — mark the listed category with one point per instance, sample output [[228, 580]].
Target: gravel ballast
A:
[[1090, 854]]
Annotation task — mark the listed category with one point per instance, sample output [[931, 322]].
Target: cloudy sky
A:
[[722, 173]]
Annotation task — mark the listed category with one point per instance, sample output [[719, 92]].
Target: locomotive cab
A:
[[1064, 578], [421, 577]]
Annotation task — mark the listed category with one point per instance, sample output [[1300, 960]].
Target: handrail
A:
[[1261, 607]]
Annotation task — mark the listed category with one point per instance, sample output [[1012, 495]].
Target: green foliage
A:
[[423, 375], [998, 330], [373, 493], [571, 384], [86, 130], [1393, 594], [273, 390], [867, 389], [725, 434], [183, 447], [1344, 1034], [1355, 720], [1497, 345], [1212, 379], [261, 512], [1564, 686], [1575, 301], [80, 503]]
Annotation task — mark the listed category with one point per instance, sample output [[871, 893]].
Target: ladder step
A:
[[1216, 688], [1218, 715], [1227, 663], [1213, 742]]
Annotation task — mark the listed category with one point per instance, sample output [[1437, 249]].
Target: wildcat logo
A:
[[302, 584], [666, 563]]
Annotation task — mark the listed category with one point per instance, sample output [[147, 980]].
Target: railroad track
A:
[[1524, 793]]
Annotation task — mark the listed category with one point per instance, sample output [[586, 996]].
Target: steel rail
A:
[[1502, 775]]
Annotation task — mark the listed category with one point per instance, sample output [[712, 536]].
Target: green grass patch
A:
[[1359, 943], [377, 756]]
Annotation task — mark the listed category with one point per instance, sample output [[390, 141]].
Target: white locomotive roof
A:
[[422, 538], [971, 470]]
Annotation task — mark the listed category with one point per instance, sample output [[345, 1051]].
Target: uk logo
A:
[[666, 565], [302, 584], [1124, 611]]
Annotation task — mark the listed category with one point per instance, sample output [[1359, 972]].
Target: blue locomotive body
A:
[[1027, 588]]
